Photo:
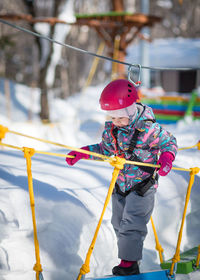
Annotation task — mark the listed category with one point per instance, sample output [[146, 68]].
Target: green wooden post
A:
[[191, 104]]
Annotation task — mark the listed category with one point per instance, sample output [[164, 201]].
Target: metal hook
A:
[[173, 276], [41, 276], [129, 74]]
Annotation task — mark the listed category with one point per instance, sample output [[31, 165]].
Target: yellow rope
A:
[[118, 163], [191, 147], [176, 257], [60, 145], [11, 146], [105, 158], [94, 65], [3, 131], [158, 245], [115, 56], [198, 257], [36, 151], [28, 153]]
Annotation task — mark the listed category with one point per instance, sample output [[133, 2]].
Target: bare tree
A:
[[180, 19], [51, 8]]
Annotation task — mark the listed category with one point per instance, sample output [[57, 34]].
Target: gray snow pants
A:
[[130, 216]]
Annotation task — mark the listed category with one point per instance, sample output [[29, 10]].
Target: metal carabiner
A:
[[173, 276], [41, 276], [130, 70]]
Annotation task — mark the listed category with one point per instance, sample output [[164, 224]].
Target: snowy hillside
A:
[[69, 200]]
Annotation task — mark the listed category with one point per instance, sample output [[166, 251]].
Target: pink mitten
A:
[[165, 161], [77, 156]]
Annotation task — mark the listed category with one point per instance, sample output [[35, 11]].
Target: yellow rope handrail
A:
[[4, 130], [58, 144], [106, 159], [191, 147]]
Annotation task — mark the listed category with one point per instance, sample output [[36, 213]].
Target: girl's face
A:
[[120, 122]]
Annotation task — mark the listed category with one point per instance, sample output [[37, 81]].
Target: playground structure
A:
[[115, 28], [180, 263], [171, 109]]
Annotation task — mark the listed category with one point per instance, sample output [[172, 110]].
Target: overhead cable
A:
[[91, 53]]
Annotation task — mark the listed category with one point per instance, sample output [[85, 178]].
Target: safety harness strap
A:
[[142, 187], [133, 156], [133, 142], [132, 146]]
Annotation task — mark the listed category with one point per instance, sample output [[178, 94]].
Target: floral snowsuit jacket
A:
[[152, 140]]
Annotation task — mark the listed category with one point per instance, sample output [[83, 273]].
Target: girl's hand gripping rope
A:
[[77, 156], [165, 161]]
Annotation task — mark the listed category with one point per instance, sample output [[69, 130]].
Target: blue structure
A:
[[153, 275]]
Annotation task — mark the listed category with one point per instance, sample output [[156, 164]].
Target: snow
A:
[[69, 200]]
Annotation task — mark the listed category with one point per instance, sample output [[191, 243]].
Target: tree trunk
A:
[[7, 97], [44, 114], [118, 5]]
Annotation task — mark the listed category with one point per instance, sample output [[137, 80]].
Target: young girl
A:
[[134, 134]]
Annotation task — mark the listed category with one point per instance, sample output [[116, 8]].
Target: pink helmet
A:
[[118, 94]]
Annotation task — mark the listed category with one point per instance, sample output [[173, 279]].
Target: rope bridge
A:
[[118, 164]]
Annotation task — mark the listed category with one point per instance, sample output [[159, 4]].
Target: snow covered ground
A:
[[69, 200]]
